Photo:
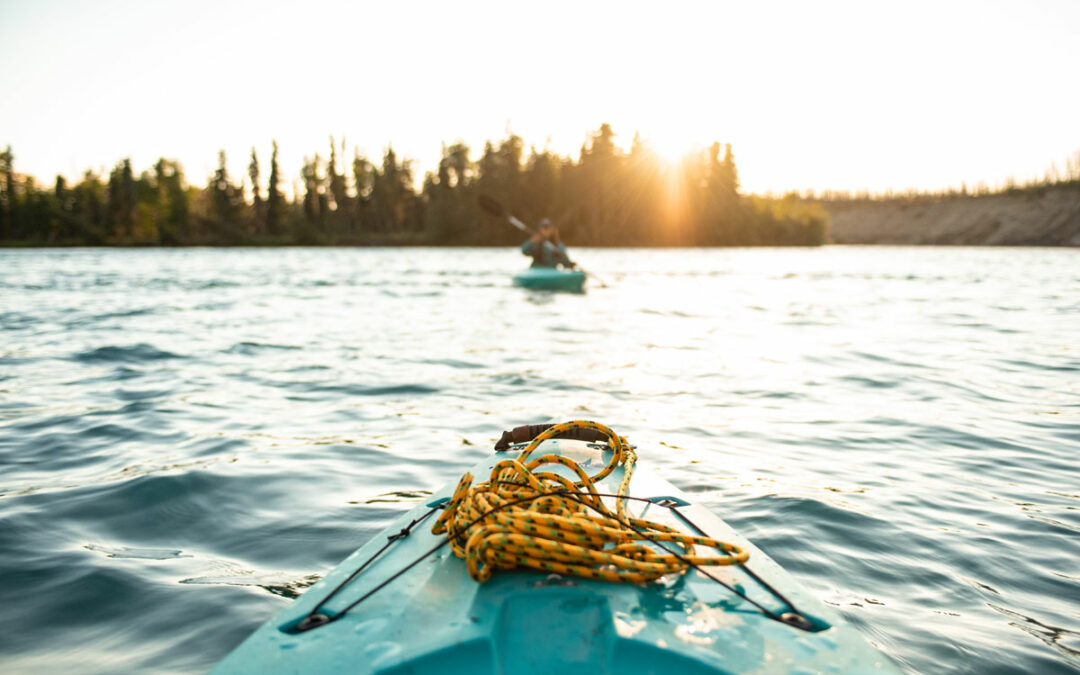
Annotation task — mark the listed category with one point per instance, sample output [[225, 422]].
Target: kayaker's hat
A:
[[545, 222]]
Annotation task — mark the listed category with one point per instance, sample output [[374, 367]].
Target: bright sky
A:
[[824, 94]]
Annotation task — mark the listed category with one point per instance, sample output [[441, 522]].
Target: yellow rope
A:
[[519, 518]]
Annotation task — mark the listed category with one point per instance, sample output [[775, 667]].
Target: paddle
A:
[[495, 208]]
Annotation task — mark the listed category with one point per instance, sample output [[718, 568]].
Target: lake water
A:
[[189, 438]]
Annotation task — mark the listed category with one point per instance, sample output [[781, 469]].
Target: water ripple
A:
[[131, 354]]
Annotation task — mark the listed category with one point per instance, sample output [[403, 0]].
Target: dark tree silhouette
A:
[[274, 200], [606, 196]]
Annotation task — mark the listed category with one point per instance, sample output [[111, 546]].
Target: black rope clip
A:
[[407, 530], [797, 620], [311, 621]]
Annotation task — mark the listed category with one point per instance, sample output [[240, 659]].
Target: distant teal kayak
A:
[[405, 603], [551, 279]]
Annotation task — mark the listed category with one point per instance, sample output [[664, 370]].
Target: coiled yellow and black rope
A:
[[524, 516]]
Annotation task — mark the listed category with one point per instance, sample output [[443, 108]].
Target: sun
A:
[[671, 147]]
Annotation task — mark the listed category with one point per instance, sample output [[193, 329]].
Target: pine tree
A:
[[336, 179], [259, 221], [364, 183], [62, 202], [391, 193], [540, 182], [121, 202], [7, 194], [723, 209], [274, 205], [313, 189], [598, 174], [89, 208], [226, 199], [731, 174], [173, 224]]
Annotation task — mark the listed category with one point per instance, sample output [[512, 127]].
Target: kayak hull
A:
[[435, 619], [551, 279]]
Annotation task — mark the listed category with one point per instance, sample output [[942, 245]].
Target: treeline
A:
[[605, 197]]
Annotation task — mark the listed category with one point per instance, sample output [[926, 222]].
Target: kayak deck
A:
[[433, 618]]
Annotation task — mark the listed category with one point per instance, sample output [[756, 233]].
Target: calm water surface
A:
[[190, 438]]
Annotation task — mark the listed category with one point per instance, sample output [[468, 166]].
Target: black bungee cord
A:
[[316, 618]]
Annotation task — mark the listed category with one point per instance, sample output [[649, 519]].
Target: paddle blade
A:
[[491, 206], [518, 224]]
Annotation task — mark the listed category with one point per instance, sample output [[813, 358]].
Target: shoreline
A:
[[1044, 217]]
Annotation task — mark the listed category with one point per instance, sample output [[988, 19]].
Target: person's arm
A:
[[564, 257]]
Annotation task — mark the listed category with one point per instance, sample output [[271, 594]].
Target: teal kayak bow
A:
[[406, 603]]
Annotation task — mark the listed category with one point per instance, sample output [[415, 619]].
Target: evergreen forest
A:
[[604, 197]]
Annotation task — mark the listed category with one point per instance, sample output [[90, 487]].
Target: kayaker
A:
[[545, 247]]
